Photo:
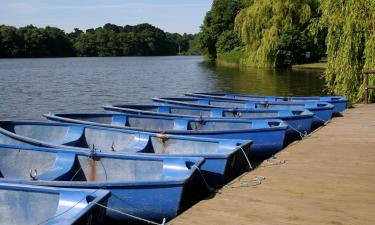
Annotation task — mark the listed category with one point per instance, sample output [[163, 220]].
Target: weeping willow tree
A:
[[276, 31], [350, 45]]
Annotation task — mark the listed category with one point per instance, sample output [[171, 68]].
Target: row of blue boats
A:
[[144, 162]]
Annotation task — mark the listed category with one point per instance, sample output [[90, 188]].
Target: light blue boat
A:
[[27, 204], [322, 110], [149, 187], [267, 135], [225, 159], [339, 102], [299, 120]]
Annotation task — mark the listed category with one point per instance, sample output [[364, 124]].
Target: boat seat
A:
[[180, 124], [216, 112], [118, 120], [63, 166], [203, 101], [73, 135], [164, 109]]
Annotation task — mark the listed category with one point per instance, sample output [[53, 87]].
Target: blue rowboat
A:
[[298, 119], [339, 102], [322, 110], [224, 159], [27, 204], [148, 187], [267, 135]]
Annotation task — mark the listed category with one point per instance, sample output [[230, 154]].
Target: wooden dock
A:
[[328, 178]]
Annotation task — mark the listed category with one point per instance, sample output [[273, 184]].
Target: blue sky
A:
[[170, 15]]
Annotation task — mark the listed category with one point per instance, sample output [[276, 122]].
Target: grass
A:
[[312, 65], [233, 56]]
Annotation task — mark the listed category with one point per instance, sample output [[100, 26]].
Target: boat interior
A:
[[111, 140]]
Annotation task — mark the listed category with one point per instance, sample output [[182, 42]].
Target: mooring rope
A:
[[302, 135], [130, 215], [211, 189], [75, 174], [325, 122], [247, 159], [273, 161], [106, 207], [257, 180], [67, 210]]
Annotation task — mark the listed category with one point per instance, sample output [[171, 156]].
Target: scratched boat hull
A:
[[340, 103], [267, 136], [152, 188], [224, 159], [300, 120], [323, 111], [26, 204]]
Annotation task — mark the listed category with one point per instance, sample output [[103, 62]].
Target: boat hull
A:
[[323, 111], [339, 102], [299, 121], [148, 187]]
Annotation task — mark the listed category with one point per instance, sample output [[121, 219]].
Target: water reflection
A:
[[265, 81], [30, 87]]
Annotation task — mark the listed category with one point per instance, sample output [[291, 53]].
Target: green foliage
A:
[[31, 41], [194, 47], [109, 40], [227, 41], [233, 56], [275, 32], [219, 19], [350, 45], [182, 44], [112, 40]]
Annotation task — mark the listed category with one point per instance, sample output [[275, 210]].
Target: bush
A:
[[228, 40]]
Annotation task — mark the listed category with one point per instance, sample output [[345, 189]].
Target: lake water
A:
[[30, 87]]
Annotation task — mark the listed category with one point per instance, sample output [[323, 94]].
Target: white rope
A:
[[325, 122], [257, 180], [207, 185], [131, 216], [75, 174], [247, 159], [62, 213], [273, 161], [302, 135]]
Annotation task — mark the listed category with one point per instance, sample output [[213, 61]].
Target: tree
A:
[[109, 40], [350, 45], [276, 32], [219, 19], [228, 41]]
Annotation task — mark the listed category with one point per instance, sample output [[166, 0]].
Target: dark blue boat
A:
[[297, 119], [27, 204], [339, 102], [267, 135], [149, 187], [224, 159], [322, 110]]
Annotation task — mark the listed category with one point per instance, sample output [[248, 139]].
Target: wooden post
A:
[[366, 87], [366, 73]]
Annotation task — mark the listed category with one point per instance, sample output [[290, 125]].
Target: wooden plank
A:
[[328, 179], [369, 72]]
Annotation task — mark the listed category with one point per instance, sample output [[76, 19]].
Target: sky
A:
[[180, 16]]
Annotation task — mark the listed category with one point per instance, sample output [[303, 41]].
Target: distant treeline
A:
[[109, 40]]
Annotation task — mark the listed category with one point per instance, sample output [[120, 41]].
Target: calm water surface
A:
[[30, 87]]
